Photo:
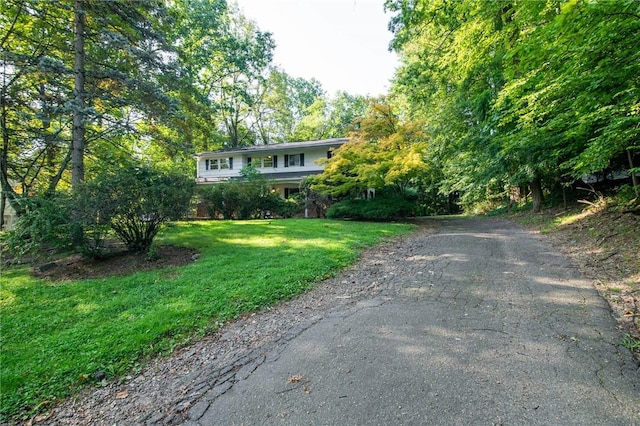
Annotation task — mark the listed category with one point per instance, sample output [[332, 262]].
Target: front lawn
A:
[[57, 337]]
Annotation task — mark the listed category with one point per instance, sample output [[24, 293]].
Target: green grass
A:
[[54, 336]]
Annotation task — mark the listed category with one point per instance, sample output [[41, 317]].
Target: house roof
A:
[[279, 146]]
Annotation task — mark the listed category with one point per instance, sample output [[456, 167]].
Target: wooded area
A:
[[520, 94], [493, 100], [89, 85]]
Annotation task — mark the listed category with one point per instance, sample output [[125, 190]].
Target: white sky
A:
[[342, 43]]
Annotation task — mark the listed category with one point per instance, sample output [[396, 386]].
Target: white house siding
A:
[[240, 161], [311, 156], [221, 174], [313, 151]]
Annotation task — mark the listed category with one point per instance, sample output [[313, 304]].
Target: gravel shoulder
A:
[[182, 387]]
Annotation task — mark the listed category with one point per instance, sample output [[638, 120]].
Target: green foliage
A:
[[286, 103], [315, 200], [626, 198], [251, 197], [45, 226], [162, 80], [91, 219], [382, 154], [127, 73], [135, 202], [333, 118], [54, 337], [287, 208], [152, 253], [379, 208], [518, 94], [211, 198]]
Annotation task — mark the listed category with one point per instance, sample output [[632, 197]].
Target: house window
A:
[[218, 163], [268, 161], [293, 160], [211, 164]]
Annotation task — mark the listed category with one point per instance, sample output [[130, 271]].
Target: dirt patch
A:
[[118, 263]]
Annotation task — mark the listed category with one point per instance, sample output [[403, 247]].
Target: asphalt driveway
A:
[[478, 323]]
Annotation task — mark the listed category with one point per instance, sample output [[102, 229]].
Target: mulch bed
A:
[[119, 262]]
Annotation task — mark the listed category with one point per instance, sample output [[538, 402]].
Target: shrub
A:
[[256, 195], [45, 225], [379, 208], [92, 223], [135, 202], [288, 208], [248, 198], [317, 201], [626, 196], [212, 198]]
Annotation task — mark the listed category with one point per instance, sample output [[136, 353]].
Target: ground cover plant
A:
[[58, 336]]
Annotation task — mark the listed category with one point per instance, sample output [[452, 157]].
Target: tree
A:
[[67, 89], [32, 102], [247, 54], [576, 96], [344, 111], [332, 118], [313, 125], [382, 155], [79, 113], [452, 54], [519, 93], [285, 102], [200, 40]]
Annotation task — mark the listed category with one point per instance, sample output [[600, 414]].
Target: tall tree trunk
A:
[[78, 136], [3, 203], [5, 146], [634, 178], [77, 157], [8, 193], [536, 194]]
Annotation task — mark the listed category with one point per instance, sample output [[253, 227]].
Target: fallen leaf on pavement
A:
[[294, 379]]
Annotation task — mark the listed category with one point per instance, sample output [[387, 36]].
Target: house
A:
[[284, 164]]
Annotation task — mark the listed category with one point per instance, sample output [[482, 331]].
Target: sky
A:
[[341, 43]]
